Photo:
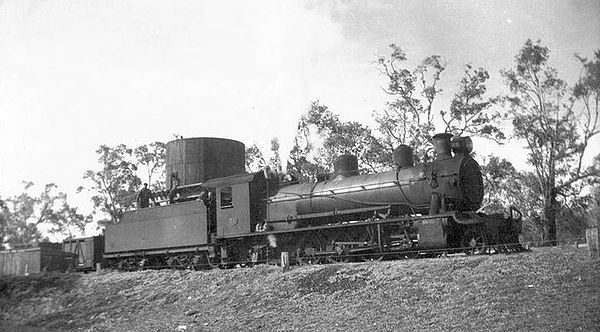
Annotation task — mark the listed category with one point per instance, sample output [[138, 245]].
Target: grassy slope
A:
[[548, 289]]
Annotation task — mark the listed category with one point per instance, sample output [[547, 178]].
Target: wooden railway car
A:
[[89, 251], [44, 257]]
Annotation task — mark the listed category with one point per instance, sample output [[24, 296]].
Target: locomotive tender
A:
[[215, 214]]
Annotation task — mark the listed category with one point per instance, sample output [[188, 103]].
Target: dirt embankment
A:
[[544, 290]]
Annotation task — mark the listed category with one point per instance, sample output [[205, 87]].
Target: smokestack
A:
[[441, 143]]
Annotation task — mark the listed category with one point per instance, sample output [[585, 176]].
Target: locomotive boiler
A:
[[450, 183], [224, 217]]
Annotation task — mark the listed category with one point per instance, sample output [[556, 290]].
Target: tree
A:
[[593, 217], [254, 159], [410, 118], [116, 183], [306, 159], [4, 220], [572, 217], [275, 160], [556, 135], [470, 112], [506, 187], [25, 217], [500, 180], [153, 157], [322, 137]]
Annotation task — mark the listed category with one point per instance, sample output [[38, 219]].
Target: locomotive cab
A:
[[239, 202]]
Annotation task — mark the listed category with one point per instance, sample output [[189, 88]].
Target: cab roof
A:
[[233, 179]]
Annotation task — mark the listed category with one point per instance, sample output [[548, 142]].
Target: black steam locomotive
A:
[[215, 214]]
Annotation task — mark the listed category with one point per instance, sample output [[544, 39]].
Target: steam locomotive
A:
[[215, 214]]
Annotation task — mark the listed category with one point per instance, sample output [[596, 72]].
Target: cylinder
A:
[[403, 156], [195, 160], [346, 165]]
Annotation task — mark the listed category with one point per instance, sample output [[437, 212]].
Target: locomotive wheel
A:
[[374, 258], [310, 257], [214, 261], [337, 259], [313, 260], [298, 257], [308, 260], [474, 243]]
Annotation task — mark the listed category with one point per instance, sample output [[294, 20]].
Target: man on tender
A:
[[144, 197]]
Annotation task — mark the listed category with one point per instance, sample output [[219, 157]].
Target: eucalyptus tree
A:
[[410, 118], [321, 137], [153, 158], [254, 159], [471, 112], [556, 123], [114, 185], [117, 180], [27, 217], [275, 159]]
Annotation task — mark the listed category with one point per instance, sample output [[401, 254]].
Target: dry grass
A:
[[548, 289]]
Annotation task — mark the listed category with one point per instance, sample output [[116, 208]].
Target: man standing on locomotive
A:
[[144, 197]]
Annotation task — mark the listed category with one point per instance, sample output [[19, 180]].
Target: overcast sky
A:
[[78, 74]]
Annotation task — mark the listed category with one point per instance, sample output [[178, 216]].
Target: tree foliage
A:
[[115, 183], [4, 222], [470, 111], [593, 217], [504, 187], [152, 157], [25, 218], [305, 159], [501, 183], [321, 137], [410, 117], [254, 159], [275, 160], [546, 118]]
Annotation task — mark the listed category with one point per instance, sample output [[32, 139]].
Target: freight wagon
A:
[[45, 257], [88, 250]]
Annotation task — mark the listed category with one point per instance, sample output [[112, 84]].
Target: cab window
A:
[[226, 197]]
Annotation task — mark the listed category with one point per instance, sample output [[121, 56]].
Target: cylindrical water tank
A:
[[199, 159]]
